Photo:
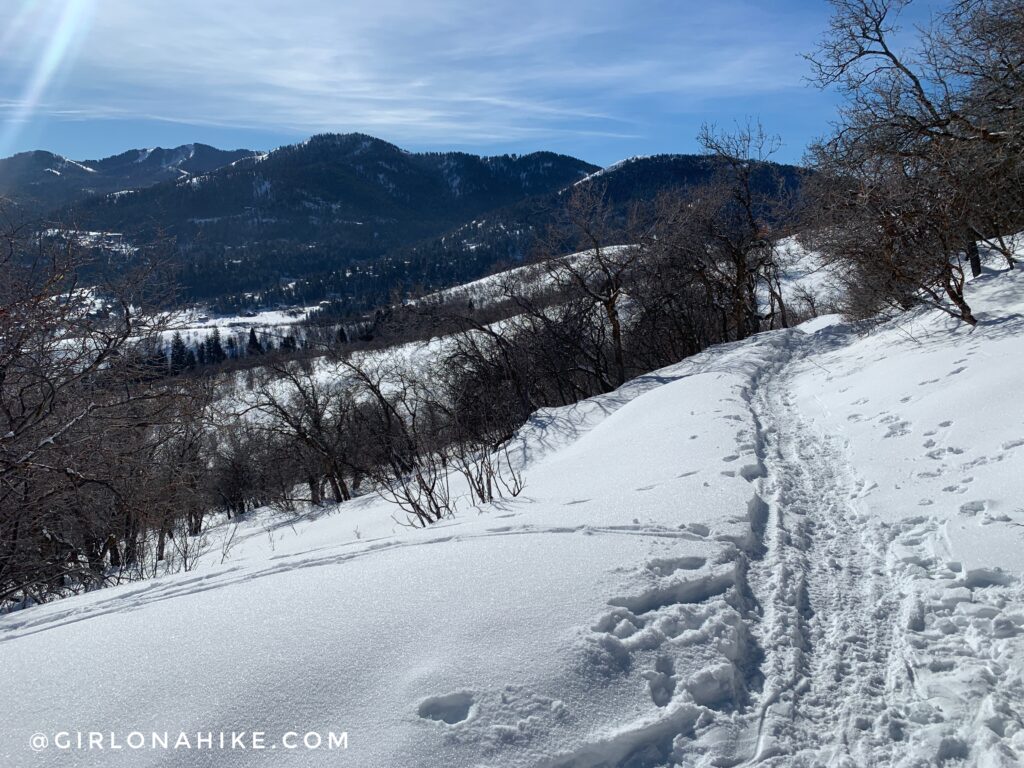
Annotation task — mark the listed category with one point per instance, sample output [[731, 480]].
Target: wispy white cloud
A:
[[426, 70]]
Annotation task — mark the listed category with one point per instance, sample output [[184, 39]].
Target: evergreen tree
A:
[[253, 347], [179, 354], [215, 353]]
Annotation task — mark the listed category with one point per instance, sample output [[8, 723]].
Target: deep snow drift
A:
[[802, 549]]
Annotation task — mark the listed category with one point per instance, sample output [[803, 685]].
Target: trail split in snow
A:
[[831, 637]]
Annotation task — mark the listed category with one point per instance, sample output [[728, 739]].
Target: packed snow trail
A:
[[829, 607], [878, 648]]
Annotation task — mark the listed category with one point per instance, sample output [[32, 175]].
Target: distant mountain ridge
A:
[[344, 217], [349, 188], [41, 181]]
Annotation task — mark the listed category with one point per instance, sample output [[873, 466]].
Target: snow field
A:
[[803, 549]]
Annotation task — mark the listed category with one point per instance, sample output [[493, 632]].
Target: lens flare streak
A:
[[69, 19]]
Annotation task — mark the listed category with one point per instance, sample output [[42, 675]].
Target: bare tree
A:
[[313, 412], [405, 439], [600, 269], [942, 122], [78, 413]]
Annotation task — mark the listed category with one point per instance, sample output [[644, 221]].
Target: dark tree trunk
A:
[[974, 256], [616, 327], [336, 489], [131, 540], [955, 292], [94, 552], [114, 551]]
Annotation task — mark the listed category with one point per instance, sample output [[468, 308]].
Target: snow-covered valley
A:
[[800, 549]]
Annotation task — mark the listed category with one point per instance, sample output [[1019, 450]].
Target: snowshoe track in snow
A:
[[870, 630], [828, 637], [828, 603]]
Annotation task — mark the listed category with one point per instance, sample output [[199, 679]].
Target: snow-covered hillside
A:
[[800, 549], [528, 280]]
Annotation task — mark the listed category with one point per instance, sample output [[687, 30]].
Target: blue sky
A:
[[599, 79]]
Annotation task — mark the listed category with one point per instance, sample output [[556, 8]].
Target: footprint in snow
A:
[[661, 681], [988, 519], [698, 529], [971, 508], [664, 566], [451, 708], [898, 429]]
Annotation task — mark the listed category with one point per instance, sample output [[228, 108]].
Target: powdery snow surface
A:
[[799, 550]]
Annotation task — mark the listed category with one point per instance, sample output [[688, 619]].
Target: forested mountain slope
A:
[[344, 217]]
